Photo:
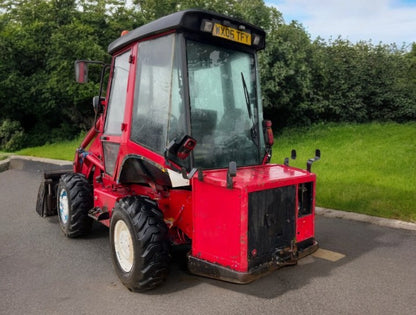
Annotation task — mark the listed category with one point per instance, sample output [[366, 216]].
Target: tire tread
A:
[[151, 233], [80, 199]]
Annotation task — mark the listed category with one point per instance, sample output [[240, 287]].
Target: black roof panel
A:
[[185, 20]]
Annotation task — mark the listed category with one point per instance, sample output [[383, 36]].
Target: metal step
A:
[[98, 214]]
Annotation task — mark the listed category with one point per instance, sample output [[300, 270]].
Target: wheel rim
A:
[[63, 206], [123, 246]]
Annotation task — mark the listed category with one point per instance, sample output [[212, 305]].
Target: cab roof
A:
[[189, 20]]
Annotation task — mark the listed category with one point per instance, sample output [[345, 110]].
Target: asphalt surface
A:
[[42, 272]]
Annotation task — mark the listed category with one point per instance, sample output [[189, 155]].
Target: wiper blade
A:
[[253, 130], [247, 96]]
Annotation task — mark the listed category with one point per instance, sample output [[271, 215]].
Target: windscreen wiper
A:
[[247, 96], [253, 130]]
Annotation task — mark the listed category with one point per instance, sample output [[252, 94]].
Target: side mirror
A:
[[81, 71], [183, 148], [97, 104]]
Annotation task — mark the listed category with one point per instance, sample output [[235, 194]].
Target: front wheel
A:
[[139, 245], [75, 199]]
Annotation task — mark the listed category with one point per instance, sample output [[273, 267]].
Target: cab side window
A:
[[118, 92], [157, 100]]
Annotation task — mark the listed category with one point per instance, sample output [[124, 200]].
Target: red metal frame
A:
[[212, 215]]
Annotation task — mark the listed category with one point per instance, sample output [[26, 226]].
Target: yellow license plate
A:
[[231, 34]]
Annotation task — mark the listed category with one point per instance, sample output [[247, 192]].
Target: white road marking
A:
[[328, 255]]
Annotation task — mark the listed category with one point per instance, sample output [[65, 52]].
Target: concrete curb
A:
[[30, 162], [41, 160], [21, 162], [395, 224], [4, 165]]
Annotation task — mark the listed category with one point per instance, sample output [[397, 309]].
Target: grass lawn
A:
[[60, 151], [368, 168]]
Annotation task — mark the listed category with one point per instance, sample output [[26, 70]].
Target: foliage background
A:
[[303, 81]]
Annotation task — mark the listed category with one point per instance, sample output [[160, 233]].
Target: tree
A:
[[40, 41], [303, 81], [286, 75], [361, 82], [42, 38]]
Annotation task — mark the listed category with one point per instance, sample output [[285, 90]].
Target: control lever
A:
[[316, 158], [292, 156]]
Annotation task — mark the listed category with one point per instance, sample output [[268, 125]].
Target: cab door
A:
[[118, 99]]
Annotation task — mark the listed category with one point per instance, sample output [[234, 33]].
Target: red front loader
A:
[[179, 154]]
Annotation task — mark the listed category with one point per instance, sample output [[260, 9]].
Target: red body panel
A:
[[177, 210], [260, 177], [220, 225], [220, 215], [305, 227]]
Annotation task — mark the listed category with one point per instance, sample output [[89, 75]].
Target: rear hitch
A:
[[288, 255]]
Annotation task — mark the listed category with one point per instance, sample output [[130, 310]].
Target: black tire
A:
[[75, 199], [41, 202], [138, 221], [45, 204]]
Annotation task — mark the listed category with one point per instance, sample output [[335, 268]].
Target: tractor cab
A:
[[195, 75]]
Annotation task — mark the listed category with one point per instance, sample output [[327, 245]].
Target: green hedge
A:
[[303, 81]]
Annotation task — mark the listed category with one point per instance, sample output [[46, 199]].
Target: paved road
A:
[[42, 272]]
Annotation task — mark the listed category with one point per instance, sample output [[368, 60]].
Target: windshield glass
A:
[[223, 101]]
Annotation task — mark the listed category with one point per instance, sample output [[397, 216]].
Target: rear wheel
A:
[[139, 245], [75, 199]]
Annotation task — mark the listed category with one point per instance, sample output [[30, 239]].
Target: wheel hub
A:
[[123, 246], [63, 206]]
